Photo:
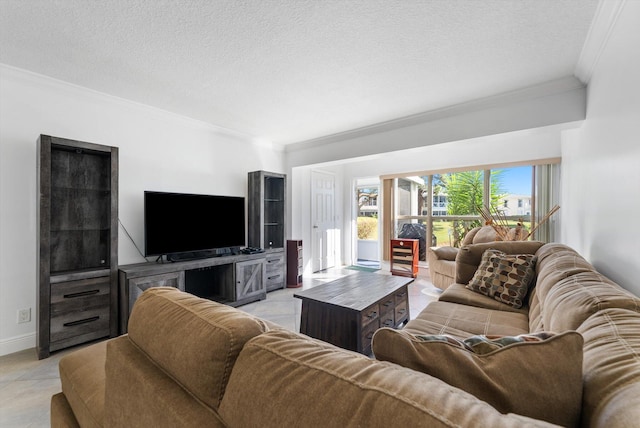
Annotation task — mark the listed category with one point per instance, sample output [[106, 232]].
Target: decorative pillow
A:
[[504, 277], [446, 253], [535, 375]]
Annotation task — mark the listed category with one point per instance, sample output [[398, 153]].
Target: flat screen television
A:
[[186, 223]]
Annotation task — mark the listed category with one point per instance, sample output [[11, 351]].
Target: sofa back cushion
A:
[[458, 293], [611, 394], [195, 341], [291, 380], [571, 290], [469, 256]]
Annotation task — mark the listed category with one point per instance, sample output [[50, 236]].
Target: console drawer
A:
[[367, 334], [79, 295], [92, 323], [275, 270], [401, 313], [387, 304], [388, 319], [275, 262], [372, 313], [275, 280], [401, 296]]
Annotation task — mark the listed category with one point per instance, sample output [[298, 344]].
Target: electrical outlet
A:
[[24, 315]]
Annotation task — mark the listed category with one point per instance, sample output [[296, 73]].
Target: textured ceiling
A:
[[294, 70]]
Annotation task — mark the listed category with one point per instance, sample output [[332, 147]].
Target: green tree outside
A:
[[464, 196]]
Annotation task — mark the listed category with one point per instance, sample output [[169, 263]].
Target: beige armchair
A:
[[442, 260]]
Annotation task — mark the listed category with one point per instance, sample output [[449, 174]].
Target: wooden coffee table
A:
[[347, 311]]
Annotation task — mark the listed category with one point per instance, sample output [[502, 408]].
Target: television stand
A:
[[234, 280]]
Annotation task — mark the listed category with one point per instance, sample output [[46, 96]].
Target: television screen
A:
[[180, 222]]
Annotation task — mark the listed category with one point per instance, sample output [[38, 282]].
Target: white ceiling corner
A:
[[287, 71], [604, 20]]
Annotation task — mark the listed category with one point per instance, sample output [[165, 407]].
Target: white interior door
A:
[[323, 243]]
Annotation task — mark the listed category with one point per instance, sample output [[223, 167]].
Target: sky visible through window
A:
[[517, 180]]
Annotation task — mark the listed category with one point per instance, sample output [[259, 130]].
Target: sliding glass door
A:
[[445, 206]]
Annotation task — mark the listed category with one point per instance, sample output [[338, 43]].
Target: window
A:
[[447, 205]]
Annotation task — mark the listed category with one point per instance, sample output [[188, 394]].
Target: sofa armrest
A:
[[442, 265], [444, 253]]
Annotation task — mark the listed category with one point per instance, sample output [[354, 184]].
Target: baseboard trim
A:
[[17, 343]]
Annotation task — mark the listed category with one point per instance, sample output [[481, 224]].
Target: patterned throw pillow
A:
[[504, 277], [536, 375], [481, 344]]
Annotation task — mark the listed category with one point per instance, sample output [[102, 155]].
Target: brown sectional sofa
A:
[[191, 362]]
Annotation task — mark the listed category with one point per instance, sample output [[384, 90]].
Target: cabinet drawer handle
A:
[[81, 294], [272, 277], [387, 303], [402, 311], [84, 321], [401, 294], [372, 314], [388, 322]]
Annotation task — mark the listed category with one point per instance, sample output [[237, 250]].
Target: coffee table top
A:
[[356, 291]]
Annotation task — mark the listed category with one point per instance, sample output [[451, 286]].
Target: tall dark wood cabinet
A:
[[78, 243], [267, 221]]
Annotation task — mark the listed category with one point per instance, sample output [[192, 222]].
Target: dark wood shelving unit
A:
[[78, 243]]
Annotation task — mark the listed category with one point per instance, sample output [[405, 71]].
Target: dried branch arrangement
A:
[[500, 224]]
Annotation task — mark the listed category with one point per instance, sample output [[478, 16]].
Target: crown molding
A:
[[604, 21], [23, 75]]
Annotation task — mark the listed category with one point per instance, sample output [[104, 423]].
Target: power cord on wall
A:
[[134, 242]]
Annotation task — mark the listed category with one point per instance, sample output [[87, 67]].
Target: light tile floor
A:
[[27, 384]]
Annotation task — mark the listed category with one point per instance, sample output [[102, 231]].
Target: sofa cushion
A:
[[611, 369], [140, 394], [469, 256], [196, 341], [459, 293], [462, 321], [486, 234], [82, 375], [574, 299], [525, 376], [504, 277], [468, 237], [297, 381], [555, 263]]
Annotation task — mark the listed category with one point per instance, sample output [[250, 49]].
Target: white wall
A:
[[521, 125], [158, 151], [519, 146], [601, 161]]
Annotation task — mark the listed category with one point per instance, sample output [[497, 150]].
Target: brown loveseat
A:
[[191, 362]]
